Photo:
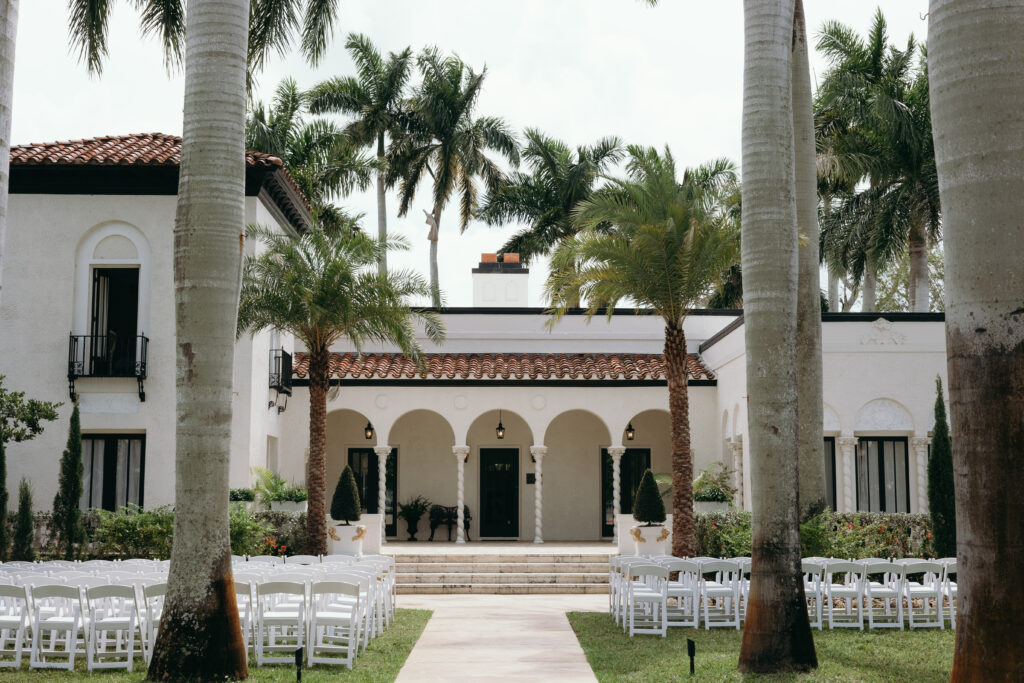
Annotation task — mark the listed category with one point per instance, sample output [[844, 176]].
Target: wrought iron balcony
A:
[[107, 355], [281, 371]]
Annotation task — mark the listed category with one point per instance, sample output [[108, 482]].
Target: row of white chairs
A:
[[332, 607], [644, 598]]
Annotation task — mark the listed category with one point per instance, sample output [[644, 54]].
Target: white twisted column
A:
[[847, 451], [382, 482], [460, 463], [920, 445], [736, 445], [538, 453], [616, 453]]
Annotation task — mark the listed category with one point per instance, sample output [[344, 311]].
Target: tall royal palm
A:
[[8, 34], [544, 198], [200, 636], [667, 244], [319, 156], [375, 97], [444, 141], [322, 288]]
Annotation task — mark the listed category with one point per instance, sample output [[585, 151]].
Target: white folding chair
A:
[[929, 591], [363, 606], [267, 559], [813, 590], [280, 621], [245, 598], [56, 612], [844, 581], [686, 591], [333, 631], [724, 589], [647, 599], [14, 610], [949, 590], [889, 590], [112, 618], [151, 610], [302, 559]]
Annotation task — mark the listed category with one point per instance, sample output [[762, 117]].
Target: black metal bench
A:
[[443, 515]]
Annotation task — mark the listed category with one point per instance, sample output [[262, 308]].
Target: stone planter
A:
[[345, 539], [710, 506], [413, 526], [650, 540], [288, 506]]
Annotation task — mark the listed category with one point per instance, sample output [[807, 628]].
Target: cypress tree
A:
[[24, 531], [67, 517], [5, 529], [941, 494], [648, 507], [345, 504]]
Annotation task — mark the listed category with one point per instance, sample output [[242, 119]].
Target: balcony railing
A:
[[281, 371], [107, 355]]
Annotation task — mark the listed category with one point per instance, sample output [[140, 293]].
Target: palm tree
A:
[[559, 179], [200, 636], [320, 287], [443, 140], [321, 158], [668, 243], [375, 97], [977, 88], [777, 635], [8, 33]]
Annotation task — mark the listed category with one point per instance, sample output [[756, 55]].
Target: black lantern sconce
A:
[[630, 432], [368, 431], [499, 431]]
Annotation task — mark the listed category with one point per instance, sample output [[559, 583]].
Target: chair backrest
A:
[[334, 588], [812, 570], [302, 559], [89, 582], [924, 567], [55, 590], [338, 559], [950, 568], [109, 591], [715, 566], [641, 570], [11, 591], [281, 588], [874, 566], [684, 566], [833, 567], [267, 559], [157, 590]]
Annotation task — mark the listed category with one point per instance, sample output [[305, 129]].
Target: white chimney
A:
[[500, 284]]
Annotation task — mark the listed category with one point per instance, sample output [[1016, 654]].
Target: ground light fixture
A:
[[630, 432], [368, 431], [499, 431]]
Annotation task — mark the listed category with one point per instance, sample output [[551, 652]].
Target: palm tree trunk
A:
[[777, 635], [8, 36], [810, 439], [382, 212], [870, 282], [977, 93], [200, 637], [316, 465], [917, 244], [683, 539], [435, 233], [833, 279]]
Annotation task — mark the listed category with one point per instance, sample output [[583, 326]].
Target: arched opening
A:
[[495, 476], [347, 445], [572, 473], [422, 443]]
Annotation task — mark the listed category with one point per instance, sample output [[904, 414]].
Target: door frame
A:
[[514, 498], [602, 452]]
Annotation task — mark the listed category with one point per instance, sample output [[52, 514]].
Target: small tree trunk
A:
[[868, 302], [200, 637], [8, 36], [382, 213], [316, 466], [808, 319], [435, 285], [683, 540], [976, 71], [777, 635], [918, 280]]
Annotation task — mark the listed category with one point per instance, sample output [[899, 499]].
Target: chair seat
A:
[[333, 618], [9, 622], [112, 623]]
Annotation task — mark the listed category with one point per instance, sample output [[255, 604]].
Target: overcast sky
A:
[[576, 69]]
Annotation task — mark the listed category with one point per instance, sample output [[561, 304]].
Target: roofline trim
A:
[[406, 382]]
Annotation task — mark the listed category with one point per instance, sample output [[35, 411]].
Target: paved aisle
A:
[[499, 638]]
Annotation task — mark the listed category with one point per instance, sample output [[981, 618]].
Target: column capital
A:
[[460, 453], [736, 444], [383, 450], [538, 451], [921, 442], [847, 441], [616, 451]]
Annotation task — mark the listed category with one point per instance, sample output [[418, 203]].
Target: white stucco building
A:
[[583, 406]]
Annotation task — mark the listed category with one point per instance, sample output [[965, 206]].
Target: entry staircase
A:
[[502, 574]]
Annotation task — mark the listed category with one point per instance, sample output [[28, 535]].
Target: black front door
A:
[[499, 492], [634, 462], [363, 462]]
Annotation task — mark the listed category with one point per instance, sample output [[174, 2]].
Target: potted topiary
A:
[[346, 538], [712, 491], [411, 511], [649, 509]]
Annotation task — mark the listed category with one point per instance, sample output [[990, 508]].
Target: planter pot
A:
[[650, 540], [413, 526], [345, 539], [287, 506], [710, 506]]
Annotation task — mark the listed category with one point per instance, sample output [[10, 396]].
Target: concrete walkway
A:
[[499, 638]]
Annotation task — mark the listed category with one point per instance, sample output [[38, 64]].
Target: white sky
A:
[[576, 69]]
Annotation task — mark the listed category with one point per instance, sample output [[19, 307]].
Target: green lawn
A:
[[378, 664], [843, 654]]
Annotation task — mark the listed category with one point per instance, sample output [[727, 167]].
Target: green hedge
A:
[[854, 535]]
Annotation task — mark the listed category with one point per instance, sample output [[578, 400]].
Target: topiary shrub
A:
[[24, 531], [648, 507], [67, 516], [941, 494], [345, 505]]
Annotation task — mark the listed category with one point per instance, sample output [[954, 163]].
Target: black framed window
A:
[[830, 472], [883, 482], [113, 470], [363, 462]]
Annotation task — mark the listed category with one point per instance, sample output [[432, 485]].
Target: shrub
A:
[[941, 494], [713, 484], [67, 516], [289, 528], [270, 546], [24, 532], [135, 532], [271, 487], [345, 503], [296, 494], [246, 530], [241, 495], [648, 507]]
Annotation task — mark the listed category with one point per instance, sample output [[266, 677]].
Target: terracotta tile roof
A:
[[513, 366], [140, 149]]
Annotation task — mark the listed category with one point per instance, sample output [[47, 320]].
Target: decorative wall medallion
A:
[[461, 402], [539, 402], [883, 333], [382, 401], [883, 415]]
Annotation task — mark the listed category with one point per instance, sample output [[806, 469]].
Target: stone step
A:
[[500, 589], [499, 578], [504, 559], [508, 567]]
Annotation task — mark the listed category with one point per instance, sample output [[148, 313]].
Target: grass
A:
[[843, 654], [380, 662]]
